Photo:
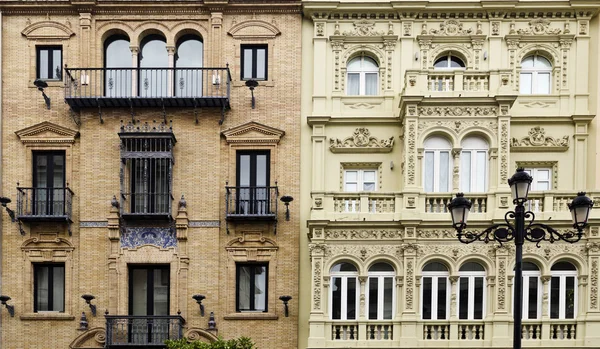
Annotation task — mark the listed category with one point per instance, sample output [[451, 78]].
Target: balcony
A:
[[44, 204], [251, 203], [142, 331], [453, 83], [147, 87]]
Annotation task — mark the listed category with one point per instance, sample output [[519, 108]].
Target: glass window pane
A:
[[370, 84], [388, 289], [428, 172], [57, 64], [140, 291], [465, 167], [369, 176], [161, 292], [247, 63], [444, 171], [336, 298], [480, 171], [369, 187], [455, 62], [261, 170], [543, 83], [58, 288], [373, 298], [44, 61], [351, 187], [351, 176], [353, 84], [527, 62], [441, 298], [351, 299], [463, 308], [260, 288], [532, 301], [554, 297], [570, 297], [427, 297], [261, 63], [441, 63], [42, 282], [525, 84], [435, 266], [478, 302]]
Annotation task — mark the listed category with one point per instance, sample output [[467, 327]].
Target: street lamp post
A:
[[516, 228]]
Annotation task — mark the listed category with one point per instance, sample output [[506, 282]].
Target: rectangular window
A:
[[471, 298], [49, 62], [49, 287], [562, 297], [251, 287], [253, 181], [437, 167], [254, 62], [360, 180], [48, 183], [343, 298], [541, 178]]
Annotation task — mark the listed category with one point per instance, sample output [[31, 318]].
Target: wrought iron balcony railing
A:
[[146, 205], [147, 87], [251, 203], [142, 331], [44, 204]]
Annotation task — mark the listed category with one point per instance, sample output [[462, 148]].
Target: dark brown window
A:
[[49, 287], [251, 287], [254, 62], [49, 62]]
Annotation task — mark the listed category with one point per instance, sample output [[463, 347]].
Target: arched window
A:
[[435, 293], [532, 292], [344, 292], [437, 165], [363, 76], [473, 165], [536, 72], [117, 55], [189, 55], [563, 291], [448, 61], [380, 295], [153, 54], [471, 291]]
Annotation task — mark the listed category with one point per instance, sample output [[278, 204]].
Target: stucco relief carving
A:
[[364, 28], [435, 234], [458, 111], [552, 250], [361, 141], [504, 151], [594, 284], [458, 125], [409, 284], [317, 286], [539, 26], [455, 251], [411, 152], [319, 29], [362, 234], [363, 252], [537, 140], [451, 27], [501, 284]]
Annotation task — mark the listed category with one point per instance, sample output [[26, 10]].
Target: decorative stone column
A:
[[85, 24], [182, 224], [134, 73], [114, 238]]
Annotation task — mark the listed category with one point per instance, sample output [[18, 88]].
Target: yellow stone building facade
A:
[[406, 103], [143, 171]]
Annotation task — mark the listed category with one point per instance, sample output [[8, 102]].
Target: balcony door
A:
[[253, 182], [149, 288], [48, 183]]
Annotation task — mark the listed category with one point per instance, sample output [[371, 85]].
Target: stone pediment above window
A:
[[254, 29], [47, 246], [47, 30], [253, 132], [252, 246], [361, 141], [538, 141], [365, 30], [47, 132]]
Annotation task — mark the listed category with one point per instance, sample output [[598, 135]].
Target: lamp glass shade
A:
[[520, 183], [580, 209], [459, 210]]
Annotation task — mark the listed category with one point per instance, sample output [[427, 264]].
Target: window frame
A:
[[474, 168], [380, 276], [435, 276], [471, 276], [254, 49], [563, 275], [50, 295], [535, 72], [448, 58], [436, 166], [344, 276], [362, 76], [51, 49], [252, 286], [360, 179], [532, 171], [528, 274]]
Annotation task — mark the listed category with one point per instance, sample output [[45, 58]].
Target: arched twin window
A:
[[563, 291], [363, 76], [448, 60], [435, 292], [380, 295], [473, 165], [437, 165], [344, 292], [536, 73], [153, 78], [471, 291]]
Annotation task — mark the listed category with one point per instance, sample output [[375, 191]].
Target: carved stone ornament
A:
[[539, 26], [46, 132], [252, 133], [451, 27], [538, 141], [361, 141], [364, 28]]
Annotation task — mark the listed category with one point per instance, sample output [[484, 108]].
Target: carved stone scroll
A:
[[361, 141], [538, 141]]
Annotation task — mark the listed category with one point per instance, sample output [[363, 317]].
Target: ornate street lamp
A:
[[516, 229]]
